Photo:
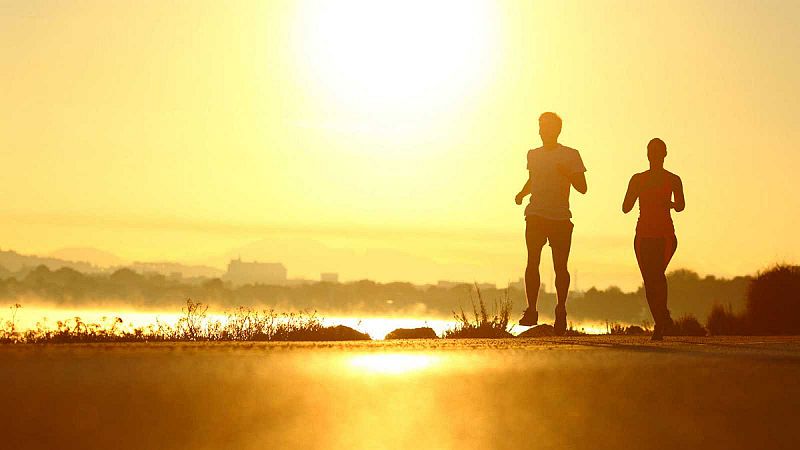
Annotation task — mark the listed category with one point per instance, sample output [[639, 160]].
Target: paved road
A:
[[565, 393]]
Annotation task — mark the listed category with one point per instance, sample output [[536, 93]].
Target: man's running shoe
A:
[[658, 333], [665, 328], [669, 326], [560, 326], [529, 318]]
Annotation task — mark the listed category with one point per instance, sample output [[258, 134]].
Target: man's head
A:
[[656, 151], [549, 128]]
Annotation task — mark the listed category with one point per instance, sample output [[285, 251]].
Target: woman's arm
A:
[[680, 202], [631, 195]]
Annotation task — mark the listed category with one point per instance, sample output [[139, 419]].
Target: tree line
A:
[[690, 294]]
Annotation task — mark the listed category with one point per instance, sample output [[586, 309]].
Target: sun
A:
[[403, 56]]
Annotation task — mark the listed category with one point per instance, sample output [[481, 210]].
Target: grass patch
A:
[[484, 325], [242, 324]]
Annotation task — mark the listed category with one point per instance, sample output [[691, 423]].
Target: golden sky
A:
[[387, 139]]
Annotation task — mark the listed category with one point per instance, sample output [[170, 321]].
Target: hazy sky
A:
[[387, 139]]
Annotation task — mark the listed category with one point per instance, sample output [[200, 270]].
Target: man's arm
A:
[[578, 181], [576, 178], [680, 202], [574, 170], [526, 189], [631, 195]]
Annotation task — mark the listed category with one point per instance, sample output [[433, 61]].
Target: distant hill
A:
[[97, 261], [88, 254], [14, 262]]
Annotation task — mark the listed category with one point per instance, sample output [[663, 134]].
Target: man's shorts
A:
[[539, 230]]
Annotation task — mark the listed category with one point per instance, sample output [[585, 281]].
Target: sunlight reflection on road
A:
[[392, 363], [459, 394]]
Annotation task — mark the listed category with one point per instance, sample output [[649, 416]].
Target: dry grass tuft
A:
[[485, 325]]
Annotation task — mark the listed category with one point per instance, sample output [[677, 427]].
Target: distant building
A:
[[242, 272], [330, 277], [170, 269], [576, 294], [299, 282], [449, 284], [487, 286], [520, 284]]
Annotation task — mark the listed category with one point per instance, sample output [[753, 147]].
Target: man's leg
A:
[[560, 258], [535, 238], [532, 279], [560, 244]]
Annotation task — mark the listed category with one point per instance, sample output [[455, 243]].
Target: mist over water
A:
[[33, 315], [41, 314]]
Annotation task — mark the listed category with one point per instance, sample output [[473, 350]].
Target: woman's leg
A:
[[650, 254], [670, 246]]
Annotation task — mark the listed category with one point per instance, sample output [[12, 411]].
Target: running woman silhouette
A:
[[659, 192], [553, 170]]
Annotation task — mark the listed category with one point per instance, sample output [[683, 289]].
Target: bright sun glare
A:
[[379, 56], [392, 363]]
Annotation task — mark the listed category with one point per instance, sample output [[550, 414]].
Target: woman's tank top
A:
[[655, 200]]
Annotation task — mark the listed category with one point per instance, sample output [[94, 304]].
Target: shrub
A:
[[723, 322], [631, 330], [773, 301], [688, 326], [634, 330]]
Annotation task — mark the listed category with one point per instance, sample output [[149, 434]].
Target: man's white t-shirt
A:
[[549, 186]]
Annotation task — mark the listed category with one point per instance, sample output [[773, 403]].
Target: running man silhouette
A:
[[552, 169], [659, 192]]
